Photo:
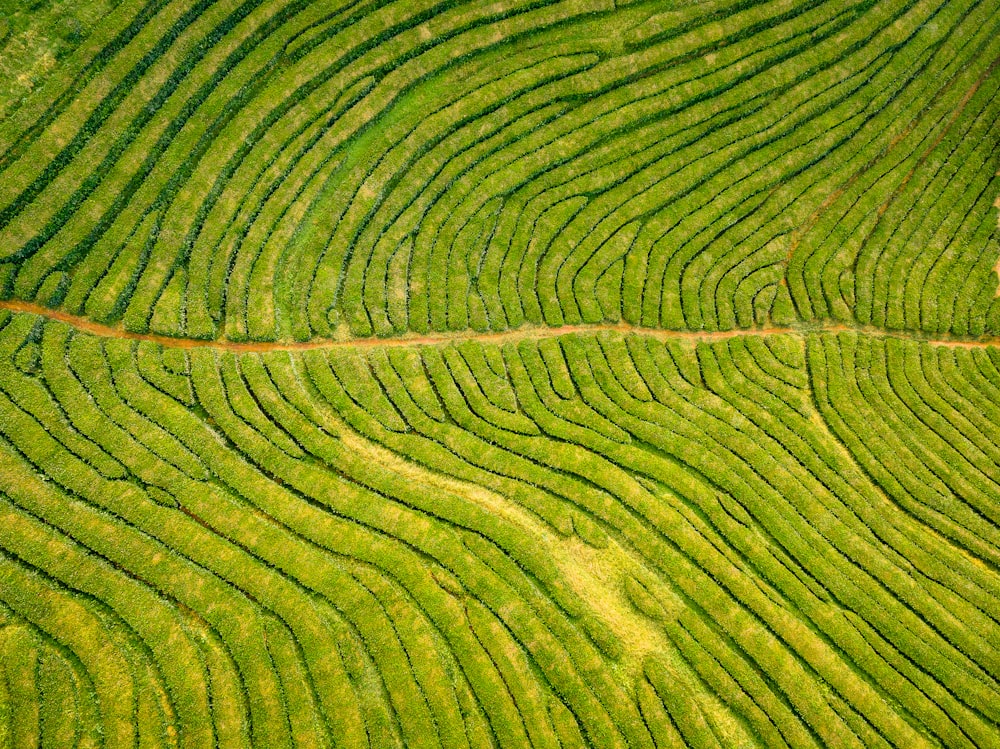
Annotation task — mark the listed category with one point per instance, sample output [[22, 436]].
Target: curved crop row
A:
[[598, 539], [287, 169], [451, 374]]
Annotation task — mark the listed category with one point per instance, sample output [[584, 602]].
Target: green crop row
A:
[[358, 495], [570, 534], [472, 260]]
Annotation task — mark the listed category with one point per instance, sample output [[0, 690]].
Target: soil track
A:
[[524, 333]]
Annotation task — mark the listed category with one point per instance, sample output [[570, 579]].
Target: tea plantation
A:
[[508, 374]]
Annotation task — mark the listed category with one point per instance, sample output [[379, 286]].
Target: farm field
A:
[[452, 374]]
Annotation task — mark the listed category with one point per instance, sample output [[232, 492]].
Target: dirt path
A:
[[519, 334]]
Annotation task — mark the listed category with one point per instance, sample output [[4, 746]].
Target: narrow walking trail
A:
[[517, 334]]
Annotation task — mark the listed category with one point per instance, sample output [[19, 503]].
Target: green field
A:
[[457, 374]]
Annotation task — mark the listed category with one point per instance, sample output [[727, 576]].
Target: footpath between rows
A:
[[517, 334]]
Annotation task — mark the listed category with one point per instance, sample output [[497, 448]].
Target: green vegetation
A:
[[458, 374]]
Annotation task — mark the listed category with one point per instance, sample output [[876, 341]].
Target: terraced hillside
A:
[[510, 374]]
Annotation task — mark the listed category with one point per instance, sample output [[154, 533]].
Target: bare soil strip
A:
[[518, 334]]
